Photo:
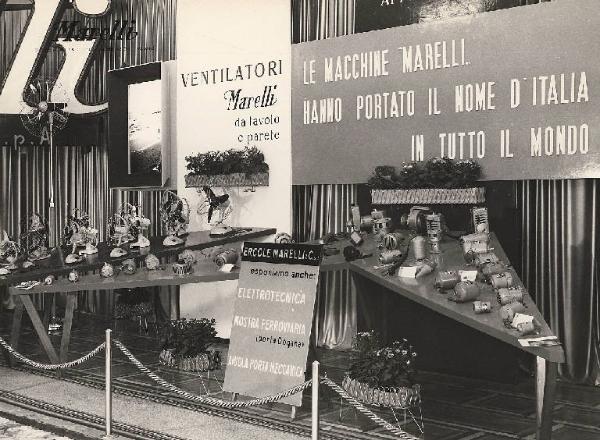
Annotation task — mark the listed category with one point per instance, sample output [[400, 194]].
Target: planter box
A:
[[397, 398], [200, 363], [226, 180], [429, 196]]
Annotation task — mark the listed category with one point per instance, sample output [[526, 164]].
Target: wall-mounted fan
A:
[[45, 115]]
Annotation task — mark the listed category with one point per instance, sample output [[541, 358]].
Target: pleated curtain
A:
[[321, 209], [560, 244], [80, 175]]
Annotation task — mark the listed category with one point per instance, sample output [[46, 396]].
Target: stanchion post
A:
[[315, 401], [108, 384]]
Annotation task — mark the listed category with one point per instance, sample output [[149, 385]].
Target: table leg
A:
[[16, 328], [546, 373], [39, 328], [67, 323], [46, 319], [16, 323]]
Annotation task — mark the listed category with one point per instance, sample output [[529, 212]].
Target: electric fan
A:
[[175, 215], [46, 111], [9, 251], [34, 237], [218, 209], [45, 115]]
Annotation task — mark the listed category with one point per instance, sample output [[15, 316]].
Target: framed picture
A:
[[139, 127], [143, 127]]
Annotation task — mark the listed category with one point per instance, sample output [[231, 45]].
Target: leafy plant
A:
[[188, 338], [248, 161], [435, 173], [382, 366]]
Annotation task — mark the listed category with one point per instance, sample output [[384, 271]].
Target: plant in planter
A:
[[232, 167], [435, 173], [185, 345], [382, 375], [439, 180]]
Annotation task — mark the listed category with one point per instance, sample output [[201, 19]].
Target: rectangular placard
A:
[[520, 100], [272, 319]]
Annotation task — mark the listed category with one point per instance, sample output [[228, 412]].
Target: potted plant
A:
[[382, 375], [185, 345], [232, 167]]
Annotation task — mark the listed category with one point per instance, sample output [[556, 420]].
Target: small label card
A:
[[521, 318], [467, 275], [407, 271], [227, 268], [544, 341]]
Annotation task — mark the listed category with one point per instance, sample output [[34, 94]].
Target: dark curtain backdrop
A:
[[560, 243], [559, 219], [319, 209], [80, 174]]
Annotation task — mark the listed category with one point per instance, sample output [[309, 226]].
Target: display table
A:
[[55, 264], [423, 292], [204, 271], [420, 291]]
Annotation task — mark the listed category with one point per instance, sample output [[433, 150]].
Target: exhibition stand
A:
[[421, 291], [472, 140]]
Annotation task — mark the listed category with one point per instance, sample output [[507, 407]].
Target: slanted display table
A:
[[423, 292]]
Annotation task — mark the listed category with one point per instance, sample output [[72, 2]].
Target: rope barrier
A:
[[51, 367], [206, 399], [367, 412], [211, 400]]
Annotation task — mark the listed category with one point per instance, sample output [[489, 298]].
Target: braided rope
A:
[[211, 400], [51, 367], [367, 412], [206, 399]]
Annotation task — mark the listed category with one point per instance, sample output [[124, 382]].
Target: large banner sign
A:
[[515, 90], [272, 319]]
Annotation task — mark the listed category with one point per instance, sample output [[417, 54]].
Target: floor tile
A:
[[578, 415]]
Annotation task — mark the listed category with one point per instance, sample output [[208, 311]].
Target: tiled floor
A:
[[10, 430], [454, 408]]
